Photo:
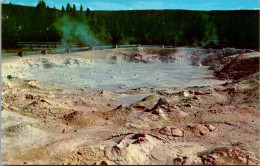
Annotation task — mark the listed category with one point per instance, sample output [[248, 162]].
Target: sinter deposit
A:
[[132, 106]]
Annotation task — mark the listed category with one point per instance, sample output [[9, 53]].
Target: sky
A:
[[147, 4]]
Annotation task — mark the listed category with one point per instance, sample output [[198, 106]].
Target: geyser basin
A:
[[118, 70]]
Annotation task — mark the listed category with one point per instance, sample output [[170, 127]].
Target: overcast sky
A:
[[147, 4]]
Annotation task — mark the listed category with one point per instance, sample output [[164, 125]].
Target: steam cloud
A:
[[73, 31]]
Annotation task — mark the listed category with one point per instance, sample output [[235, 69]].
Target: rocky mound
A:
[[42, 108], [152, 55], [78, 118], [146, 103], [228, 156], [143, 148], [240, 67], [22, 129]]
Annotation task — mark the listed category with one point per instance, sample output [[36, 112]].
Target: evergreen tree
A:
[[68, 8], [81, 8], [41, 5], [232, 28], [88, 12], [62, 8], [116, 33], [74, 10]]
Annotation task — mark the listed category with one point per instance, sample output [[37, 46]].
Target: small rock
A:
[[63, 131], [219, 161], [198, 129], [79, 153], [104, 162], [133, 125], [196, 98], [198, 93], [165, 131], [29, 96], [176, 132], [73, 117], [159, 111], [202, 132], [119, 107], [9, 77], [177, 161], [188, 105], [185, 94], [197, 161], [164, 102], [210, 127], [146, 103], [225, 84], [180, 113], [139, 135]]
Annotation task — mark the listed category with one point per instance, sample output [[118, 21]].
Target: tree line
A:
[[238, 29]]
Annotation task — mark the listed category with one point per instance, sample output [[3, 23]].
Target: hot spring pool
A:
[[109, 76], [115, 71]]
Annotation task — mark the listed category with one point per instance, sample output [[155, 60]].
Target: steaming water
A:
[[125, 76]]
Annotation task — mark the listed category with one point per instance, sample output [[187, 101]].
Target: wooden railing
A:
[[41, 45], [57, 48]]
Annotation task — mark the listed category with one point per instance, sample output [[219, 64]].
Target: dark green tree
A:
[[171, 27], [68, 8], [41, 5], [88, 12], [81, 8], [74, 10]]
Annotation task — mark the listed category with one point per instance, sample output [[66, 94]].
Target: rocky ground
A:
[[45, 123]]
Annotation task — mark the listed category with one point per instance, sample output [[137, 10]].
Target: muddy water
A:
[[125, 76]]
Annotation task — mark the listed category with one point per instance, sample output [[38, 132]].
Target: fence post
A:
[[93, 48], [20, 53], [163, 46], [116, 46]]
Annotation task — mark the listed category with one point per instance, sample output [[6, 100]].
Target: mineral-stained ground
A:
[[209, 121]]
